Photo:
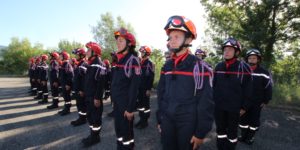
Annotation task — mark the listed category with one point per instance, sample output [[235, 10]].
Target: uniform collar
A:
[[178, 59], [144, 60], [253, 67], [230, 62]]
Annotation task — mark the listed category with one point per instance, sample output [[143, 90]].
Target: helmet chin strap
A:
[[231, 58], [144, 56], [252, 64]]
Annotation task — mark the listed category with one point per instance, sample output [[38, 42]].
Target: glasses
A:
[[122, 31], [253, 51], [177, 22], [142, 49], [232, 42], [74, 51]]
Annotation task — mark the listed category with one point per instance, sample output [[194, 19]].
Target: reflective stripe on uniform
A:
[[244, 127], [95, 128], [141, 109], [81, 113], [82, 67], [120, 139], [128, 142], [253, 128], [261, 75], [222, 136], [98, 66], [233, 140], [146, 111]]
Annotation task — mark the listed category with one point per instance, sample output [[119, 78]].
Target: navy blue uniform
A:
[[147, 79], [109, 75], [94, 89], [232, 92], [30, 75], [66, 74], [185, 102], [124, 90], [43, 76], [31, 71], [36, 76], [107, 86], [78, 85], [262, 94], [54, 77]]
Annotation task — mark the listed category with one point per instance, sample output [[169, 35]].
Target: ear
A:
[[237, 53]]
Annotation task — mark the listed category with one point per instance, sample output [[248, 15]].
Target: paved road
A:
[[26, 125]]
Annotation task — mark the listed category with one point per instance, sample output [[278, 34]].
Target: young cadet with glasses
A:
[[185, 91]]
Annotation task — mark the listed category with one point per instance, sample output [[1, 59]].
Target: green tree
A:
[[69, 46], [17, 54], [158, 60], [265, 24], [104, 32]]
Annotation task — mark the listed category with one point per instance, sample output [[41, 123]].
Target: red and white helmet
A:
[[232, 42], [31, 60], [54, 55], [106, 62], [65, 55], [146, 50], [127, 35], [79, 51], [181, 23], [44, 57], [96, 48]]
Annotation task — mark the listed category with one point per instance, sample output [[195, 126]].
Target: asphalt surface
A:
[[24, 124]]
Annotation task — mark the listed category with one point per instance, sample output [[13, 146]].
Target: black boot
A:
[[244, 134], [138, 123], [73, 95], [92, 139], [230, 145], [111, 114], [65, 111], [80, 121], [45, 99], [54, 104], [33, 92], [250, 137], [221, 143], [39, 95], [142, 125]]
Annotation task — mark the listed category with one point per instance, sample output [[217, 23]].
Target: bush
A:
[[286, 94], [286, 76]]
